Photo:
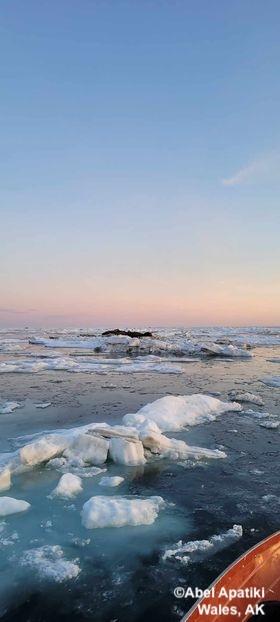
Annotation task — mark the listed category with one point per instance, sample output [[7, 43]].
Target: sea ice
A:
[[215, 349], [120, 511], [5, 479], [246, 397], [88, 448], [175, 412], [271, 425], [129, 452], [7, 407], [123, 366], [42, 450], [68, 486], [200, 549], [111, 482], [49, 563], [8, 506]]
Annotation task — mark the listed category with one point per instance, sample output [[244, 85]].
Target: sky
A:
[[139, 163]]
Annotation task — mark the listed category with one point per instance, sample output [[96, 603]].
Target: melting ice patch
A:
[[101, 511], [49, 562], [197, 550], [172, 413]]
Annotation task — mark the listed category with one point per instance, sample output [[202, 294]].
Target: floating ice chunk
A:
[[129, 452], [5, 479], [120, 511], [8, 505], [179, 450], [7, 407], [271, 425], [111, 481], [42, 450], [200, 549], [173, 413], [246, 397], [272, 381], [90, 344], [89, 448], [43, 405], [49, 563], [215, 349], [68, 486]]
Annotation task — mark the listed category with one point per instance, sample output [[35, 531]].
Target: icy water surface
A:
[[51, 566]]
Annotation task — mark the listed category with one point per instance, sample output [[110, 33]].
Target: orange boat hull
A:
[[259, 568]]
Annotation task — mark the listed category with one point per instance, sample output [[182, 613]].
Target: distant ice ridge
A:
[[167, 343], [48, 562], [197, 550], [101, 511], [231, 351], [92, 365], [140, 439]]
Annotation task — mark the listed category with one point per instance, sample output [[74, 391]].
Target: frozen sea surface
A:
[[51, 565]]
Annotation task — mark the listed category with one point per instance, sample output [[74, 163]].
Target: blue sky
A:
[[140, 162]]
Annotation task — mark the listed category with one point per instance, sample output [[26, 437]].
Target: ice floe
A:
[[172, 413], [68, 486], [240, 396], [42, 450], [198, 550], [48, 562], [101, 511], [5, 479], [124, 451], [8, 506], [8, 407], [111, 482], [78, 450], [87, 448], [271, 425]]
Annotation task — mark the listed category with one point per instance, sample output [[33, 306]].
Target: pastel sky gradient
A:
[[139, 162]]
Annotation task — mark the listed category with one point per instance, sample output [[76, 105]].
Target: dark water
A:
[[123, 576]]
